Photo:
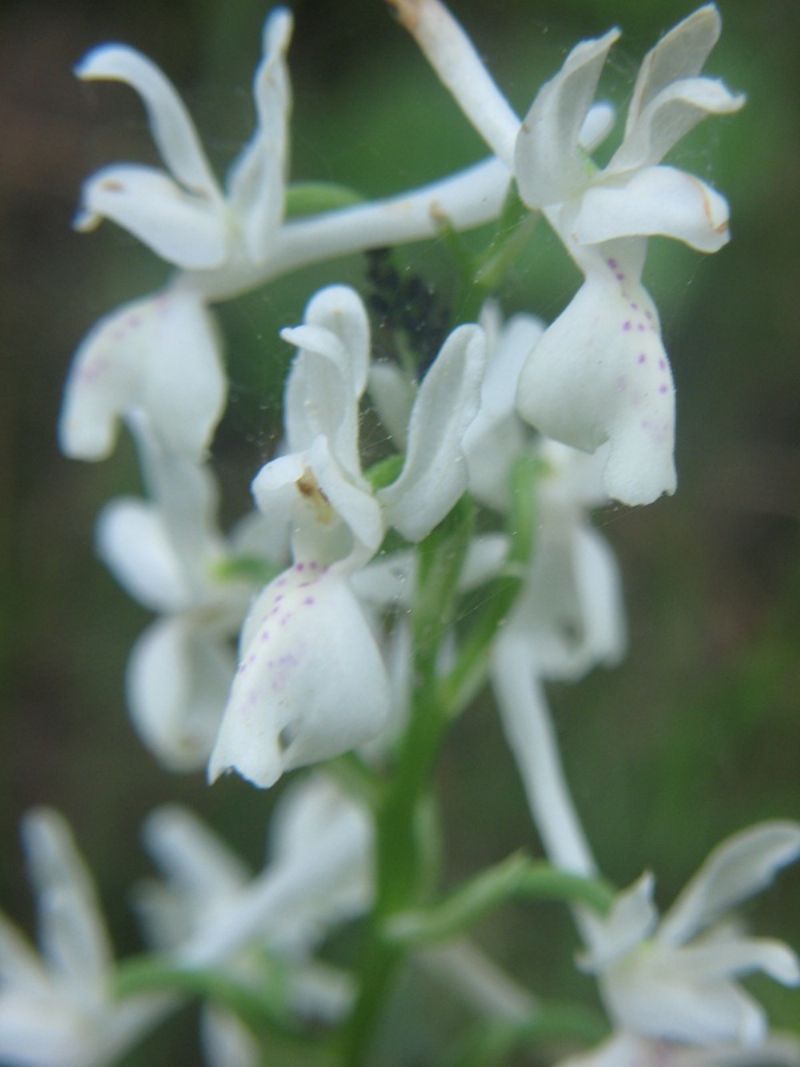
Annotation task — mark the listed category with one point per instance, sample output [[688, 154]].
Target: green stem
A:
[[469, 672], [517, 878], [404, 810]]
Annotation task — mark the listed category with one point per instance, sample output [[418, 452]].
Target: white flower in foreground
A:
[[57, 1010], [674, 980], [183, 214], [600, 373], [210, 911], [312, 682]]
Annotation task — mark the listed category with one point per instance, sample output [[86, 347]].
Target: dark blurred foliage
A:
[[696, 734]]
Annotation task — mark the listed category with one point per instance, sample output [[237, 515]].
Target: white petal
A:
[[508, 346], [726, 958], [311, 683], [329, 374], [133, 543], [599, 590], [738, 868], [393, 395], [184, 384], [327, 503], [195, 861], [596, 126], [631, 920], [679, 54], [20, 966], [435, 472], [73, 936], [178, 680], [600, 373], [226, 1041], [496, 436], [181, 227], [549, 166], [103, 382], [313, 814], [341, 310], [173, 129], [654, 200], [42, 1032], [665, 1006], [256, 181], [670, 116], [158, 355]]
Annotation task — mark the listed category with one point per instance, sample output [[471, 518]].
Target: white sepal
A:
[[257, 179], [435, 473], [178, 679], [172, 128], [180, 227], [740, 867], [133, 542], [549, 165]]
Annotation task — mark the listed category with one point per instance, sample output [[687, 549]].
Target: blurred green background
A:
[[696, 734]]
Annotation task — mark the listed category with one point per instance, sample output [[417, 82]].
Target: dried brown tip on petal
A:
[[407, 12]]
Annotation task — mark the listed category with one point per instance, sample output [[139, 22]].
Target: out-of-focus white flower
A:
[[158, 357], [600, 373], [569, 615], [57, 1009], [625, 1050], [183, 214], [312, 682], [170, 557], [161, 355], [674, 980], [211, 912]]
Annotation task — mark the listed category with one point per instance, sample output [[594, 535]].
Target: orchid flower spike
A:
[[673, 980]]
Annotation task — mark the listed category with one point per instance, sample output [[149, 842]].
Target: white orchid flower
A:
[[674, 980], [161, 354], [57, 1009], [211, 911], [168, 555], [600, 373], [183, 214], [312, 682], [159, 357]]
